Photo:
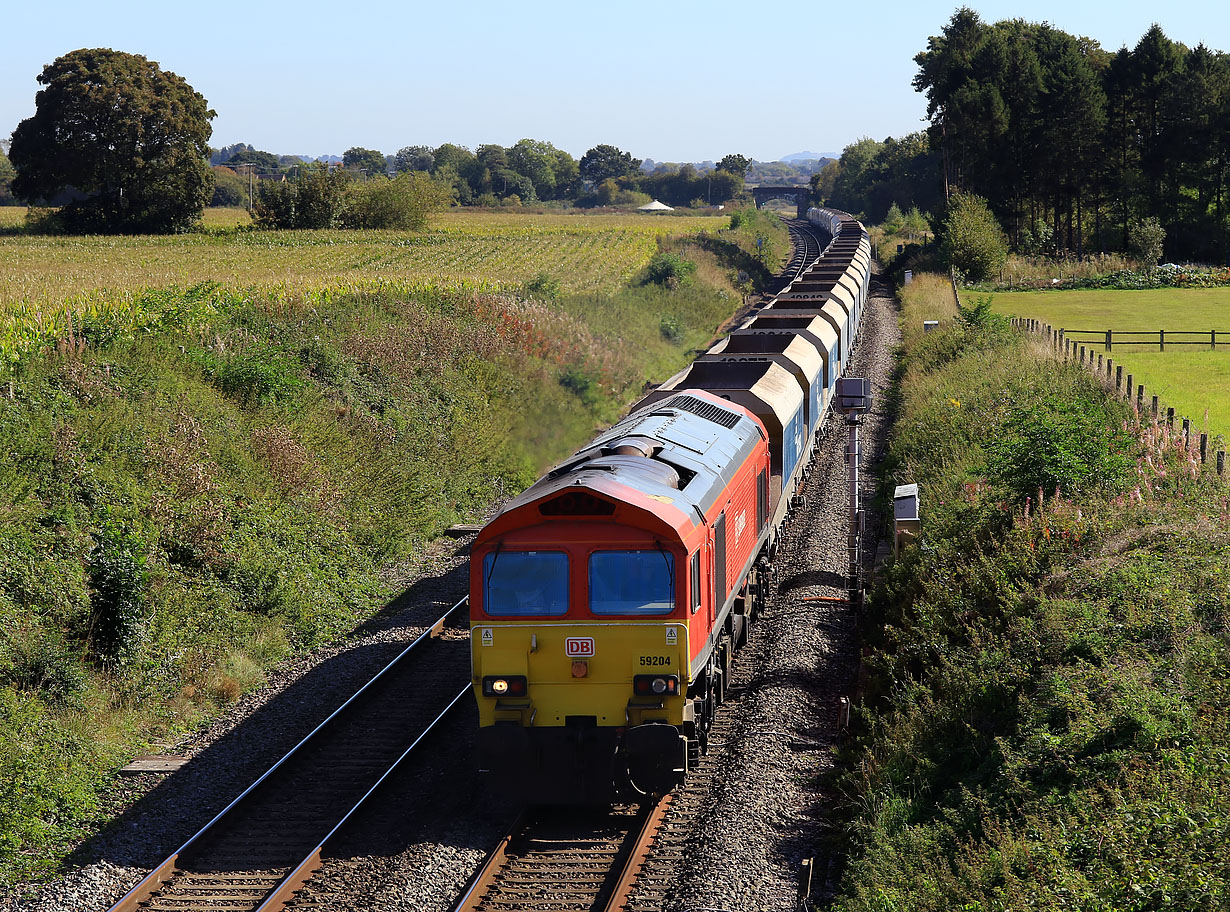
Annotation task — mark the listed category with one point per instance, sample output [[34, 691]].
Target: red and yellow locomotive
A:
[[607, 599]]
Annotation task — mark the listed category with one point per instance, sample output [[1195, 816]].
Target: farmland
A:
[[47, 282], [586, 253], [266, 462], [1188, 379]]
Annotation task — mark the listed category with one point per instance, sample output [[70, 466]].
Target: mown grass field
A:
[[1186, 378]]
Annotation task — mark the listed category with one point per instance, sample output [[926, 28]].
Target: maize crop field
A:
[[56, 287]]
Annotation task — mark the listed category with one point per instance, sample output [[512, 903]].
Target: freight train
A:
[[607, 600]]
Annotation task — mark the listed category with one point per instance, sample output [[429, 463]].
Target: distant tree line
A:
[[1073, 147], [530, 171], [117, 144]]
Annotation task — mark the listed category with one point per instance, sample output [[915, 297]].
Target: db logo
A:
[[578, 647]]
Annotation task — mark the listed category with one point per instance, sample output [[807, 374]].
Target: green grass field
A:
[[1188, 379]]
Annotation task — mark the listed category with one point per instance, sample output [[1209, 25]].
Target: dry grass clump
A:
[[1035, 272], [928, 297]]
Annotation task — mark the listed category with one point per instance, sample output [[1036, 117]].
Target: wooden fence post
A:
[[1161, 340], [1118, 378], [1221, 462], [1108, 343], [1170, 418], [1213, 339], [1187, 430], [1204, 447], [1140, 396], [1155, 406], [1130, 388]]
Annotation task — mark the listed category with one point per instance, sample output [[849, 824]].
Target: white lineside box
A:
[[907, 525]]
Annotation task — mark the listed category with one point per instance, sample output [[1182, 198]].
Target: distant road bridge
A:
[[800, 195]]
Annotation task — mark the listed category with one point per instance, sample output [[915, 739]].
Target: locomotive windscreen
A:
[[525, 583], [631, 582]]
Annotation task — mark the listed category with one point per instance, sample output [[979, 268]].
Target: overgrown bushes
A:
[[320, 198], [670, 269], [1047, 718], [971, 239]]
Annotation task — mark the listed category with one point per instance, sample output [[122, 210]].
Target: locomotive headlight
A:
[[655, 685], [505, 686]]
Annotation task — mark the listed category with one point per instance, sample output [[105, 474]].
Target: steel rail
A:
[[312, 863], [636, 857], [144, 890], [626, 866]]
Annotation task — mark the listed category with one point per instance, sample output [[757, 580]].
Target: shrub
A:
[[670, 269], [36, 664], [972, 240], [119, 616], [1055, 443], [256, 375], [544, 287], [671, 331], [315, 199], [1145, 238], [893, 219], [402, 202], [581, 384]]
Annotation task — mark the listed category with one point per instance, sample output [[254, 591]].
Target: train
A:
[[607, 600]]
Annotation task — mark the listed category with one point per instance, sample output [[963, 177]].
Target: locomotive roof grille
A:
[[703, 409]]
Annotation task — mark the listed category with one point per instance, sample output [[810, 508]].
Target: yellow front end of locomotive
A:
[[544, 675]]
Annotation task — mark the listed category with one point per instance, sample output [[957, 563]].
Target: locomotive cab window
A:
[[631, 583], [525, 583]]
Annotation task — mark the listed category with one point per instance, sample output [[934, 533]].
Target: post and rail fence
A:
[[1112, 374], [1159, 337]]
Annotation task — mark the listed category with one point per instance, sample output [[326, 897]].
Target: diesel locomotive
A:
[[607, 600]]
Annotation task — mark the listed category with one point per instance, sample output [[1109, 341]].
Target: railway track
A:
[[807, 249], [566, 859], [261, 849]]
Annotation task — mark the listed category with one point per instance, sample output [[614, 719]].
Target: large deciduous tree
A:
[[734, 164], [371, 161], [604, 161], [414, 158], [125, 137]]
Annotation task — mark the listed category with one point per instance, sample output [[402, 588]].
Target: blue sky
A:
[[673, 81]]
